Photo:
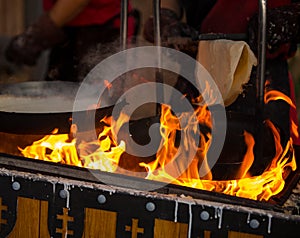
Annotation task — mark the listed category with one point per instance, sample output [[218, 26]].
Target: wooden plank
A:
[[207, 234], [169, 229], [2, 17], [11, 17], [234, 234], [99, 223], [28, 216], [32, 219], [44, 232]]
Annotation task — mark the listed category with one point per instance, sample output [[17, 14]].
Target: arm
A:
[[172, 5], [171, 24], [282, 31], [65, 10], [44, 33]]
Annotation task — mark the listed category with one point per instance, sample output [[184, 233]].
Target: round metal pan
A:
[[38, 107]]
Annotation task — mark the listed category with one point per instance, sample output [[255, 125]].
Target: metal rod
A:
[[261, 51], [156, 15], [260, 77], [124, 24], [123, 33], [157, 42]]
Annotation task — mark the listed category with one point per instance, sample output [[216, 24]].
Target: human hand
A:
[[28, 46], [170, 25], [282, 31]]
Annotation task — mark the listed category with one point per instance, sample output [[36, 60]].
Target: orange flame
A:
[[107, 84], [274, 95], [55, 148], [170, 163], [262, 187]]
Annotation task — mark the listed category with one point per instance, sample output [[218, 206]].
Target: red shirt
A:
[[96, 12], [232, 16]]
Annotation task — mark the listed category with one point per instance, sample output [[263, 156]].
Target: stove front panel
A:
[[36, 205]]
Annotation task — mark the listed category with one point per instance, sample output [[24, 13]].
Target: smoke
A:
[[120, 85], [96, 55]]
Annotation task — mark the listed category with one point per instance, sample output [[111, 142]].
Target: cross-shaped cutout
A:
[[65, 219], [2, 208], [134, 229]]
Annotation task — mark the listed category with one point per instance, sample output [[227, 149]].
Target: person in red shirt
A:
[[231, 17], [71, 29]]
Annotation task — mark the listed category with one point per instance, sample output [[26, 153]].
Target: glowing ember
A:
[[105, 153]]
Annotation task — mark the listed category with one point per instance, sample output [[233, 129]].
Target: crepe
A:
[[229, 63]]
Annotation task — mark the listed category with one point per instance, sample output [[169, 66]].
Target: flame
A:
[[107, 84], [274, 95], [170, 164], [103, 154], [55, 148], [262, 187]]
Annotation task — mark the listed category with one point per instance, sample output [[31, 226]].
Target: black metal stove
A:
[[42, 199]]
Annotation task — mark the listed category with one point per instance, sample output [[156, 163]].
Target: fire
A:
[[104, 154], [54, 148], [107, 84], [273, 95], [262, 187], [107, 152]]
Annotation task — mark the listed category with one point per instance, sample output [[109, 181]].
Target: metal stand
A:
[[260, 77], [124, 24], [157, 42]]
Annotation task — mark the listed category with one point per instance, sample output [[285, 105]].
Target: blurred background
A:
[[16, 15]]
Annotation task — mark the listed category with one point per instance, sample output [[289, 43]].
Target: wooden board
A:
[[31, 219], [234, 234], [99, 223], [169, 229], [11, 17]]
